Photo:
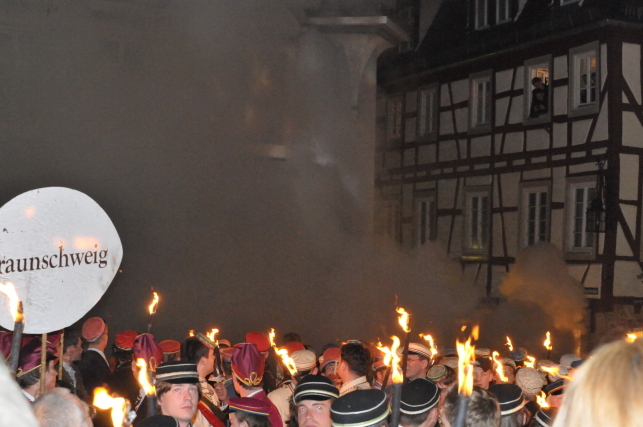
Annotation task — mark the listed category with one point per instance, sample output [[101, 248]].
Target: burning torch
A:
[[122, 415], [466, 358], [548, 346], [392, 361], [149, 389], [152, 308], [15, 307]]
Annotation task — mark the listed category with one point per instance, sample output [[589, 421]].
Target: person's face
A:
[[311, 413], [481, 378], [180, 402], [208, 363], [75, 351], [415, 366], [509, 373], [555, 400], [50, 376]]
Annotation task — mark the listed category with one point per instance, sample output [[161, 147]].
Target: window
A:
[[427, 219], [579, 198], [537, 98], [395, 118], [428, 111], [503, 11], [477, 216], [480, 101], [481, 13], [535, 214], [585, 80]]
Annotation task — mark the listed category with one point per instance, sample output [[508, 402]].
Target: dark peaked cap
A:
[[159, 421], [418, 396], [315, 387], [359, 408], [545, 416], [177, 372], [509, 396]]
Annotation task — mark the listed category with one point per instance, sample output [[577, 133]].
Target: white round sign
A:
[[61, 251]]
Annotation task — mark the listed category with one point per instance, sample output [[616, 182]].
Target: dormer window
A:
[[482, 13], [503, 11]]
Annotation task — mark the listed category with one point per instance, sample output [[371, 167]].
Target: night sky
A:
[[158, 117]]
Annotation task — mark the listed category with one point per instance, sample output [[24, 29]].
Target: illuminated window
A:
[[584, 85], [477, 216], [579, 197], [538, 96], [535, 214]]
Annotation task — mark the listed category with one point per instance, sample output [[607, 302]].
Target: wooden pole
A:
[[16, 340], [43, 363], [60, 355]]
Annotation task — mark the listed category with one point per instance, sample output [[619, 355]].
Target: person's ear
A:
[[425, 364], [243, 423]]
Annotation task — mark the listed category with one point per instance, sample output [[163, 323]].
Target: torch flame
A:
[[499, 368], [511, 347], [392, 359], [272, 337], [541, 399], [631, 337], [547, 342], [530, 362], [191, 333], [554, 370], [466, 357], [403, 319], [429, 338], [102, 400], [9, 290], [155, 303], [213, 334], [143, 380], [288, 361]]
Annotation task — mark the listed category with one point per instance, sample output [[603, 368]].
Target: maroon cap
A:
[[260, 339], [93, 328], [249, 405], [146, 348], [5, 344], [30, 356], [248, 364], [224, 344], [226, 353], [170, 346], [332, 354], [125, 340], [292, 347]]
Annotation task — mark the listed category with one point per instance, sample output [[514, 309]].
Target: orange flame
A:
[[392, 359], [466, 357], [499, 368], [272, 337], [211, 335], [631, 337], [9, 290], [155, 303], [547, 342], [541, 399], [102, 400], [530, 362], [403, 319], [429, 338], [191, 333], [554, 370], [288, 361], [511, 347], [143, 379]]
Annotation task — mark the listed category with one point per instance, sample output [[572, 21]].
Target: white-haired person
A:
[[61, 408], [606, 390]]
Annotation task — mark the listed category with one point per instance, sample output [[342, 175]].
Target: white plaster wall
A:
[[479, 180], [426, 154], [622, 247], [446, 193], [456, 244], [409, 157], [510, 189], [407, 200], [519, 82], [460, 90], [580, 130], [445, 97], [594, 279], [481, 146], [585, 167], [536, 174], [516, 114], [632, 68], [560, 67], [537, 139], [632, 130], [629, 176], [626, 283], [448, 151], [497, 249], [558, 185], [446, 123], [629, 213], [511, 225], [463, 148], [603, 60], [513, 142], [556, 229], [560, 100], [503, 80], [601, 129], [461, 119], [501, 110], [560, 135], [392, 159]]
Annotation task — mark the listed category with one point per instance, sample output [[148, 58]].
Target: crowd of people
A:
[[201, 382]]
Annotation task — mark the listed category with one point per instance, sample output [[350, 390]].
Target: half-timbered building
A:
[[475, 152]]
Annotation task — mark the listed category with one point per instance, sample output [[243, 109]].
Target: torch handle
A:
[[149, 323], [405, 354], [43, 364], [18, 327], [151, 405], [395, 405], [461, 417], [388, 374]]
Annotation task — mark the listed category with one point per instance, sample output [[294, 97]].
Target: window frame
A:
[[397, 116], [525, 189], [474, 126], [572, 252], [509, 17], [529, 66], [575, 54], [469, 193], [428, 133], [477, 13], [431, 213]]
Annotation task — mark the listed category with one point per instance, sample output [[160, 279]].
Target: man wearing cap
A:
[[417, 361], [226, 357], [177, 394], [419, 403], [263, 344], [352, 368], [72, 352], [247, 373], [554, 392], [512, 404], [200, 351], [144, 348], [248, 412], [171, 350], [483, 372], [360, 408], [122, 382], [328, 362], [93, 364], [529, 380], [29, 363], [312, 400], [306, 363]]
